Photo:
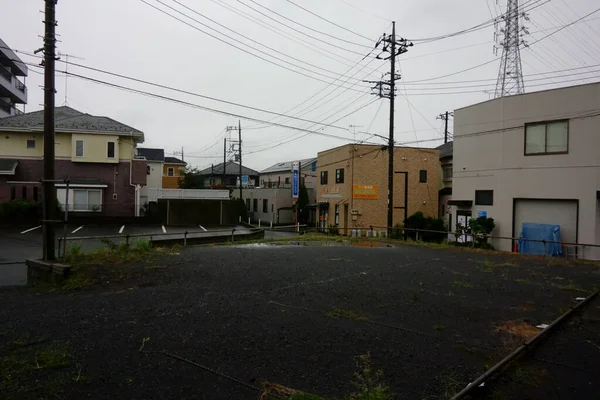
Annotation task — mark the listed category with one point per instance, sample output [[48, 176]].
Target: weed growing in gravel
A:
[[571, 287], [438, 326], [487, 266], [520, 329], [461, 284], [338, 313], [416, 297]]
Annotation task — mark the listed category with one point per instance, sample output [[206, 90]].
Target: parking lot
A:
[[19, 244]]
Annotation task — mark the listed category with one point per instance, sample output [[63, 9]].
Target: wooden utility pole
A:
[[445, 117], [49, 212], [240, 152], [224, 161]]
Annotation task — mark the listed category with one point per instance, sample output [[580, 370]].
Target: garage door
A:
[[556, 212]]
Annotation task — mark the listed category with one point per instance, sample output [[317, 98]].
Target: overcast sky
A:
[[131, 38]]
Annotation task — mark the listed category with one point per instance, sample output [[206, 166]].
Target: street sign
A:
[[244, 179], [482, 213], [295, 179]]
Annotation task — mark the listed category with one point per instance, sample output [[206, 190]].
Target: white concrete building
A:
[[271, 204], [531, 158]]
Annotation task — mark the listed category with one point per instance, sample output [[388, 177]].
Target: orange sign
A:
[[365, 192]]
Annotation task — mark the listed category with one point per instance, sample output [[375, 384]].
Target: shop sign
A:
[[330, 193], [365, 192]]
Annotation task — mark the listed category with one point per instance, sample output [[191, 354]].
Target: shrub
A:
[[422, 223], [482, 227], [397, 232], [142, 245], [333, 229]]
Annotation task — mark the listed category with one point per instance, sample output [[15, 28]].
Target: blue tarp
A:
[[550, 233]]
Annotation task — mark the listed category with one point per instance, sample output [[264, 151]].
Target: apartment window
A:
[[423, 176], [13, 193], [447, 173], [35, 193], [248, 204], [79, 148], [147, 170], [87, 200], [339, 175], [287, 181], [31, 143], [337, 215], [170, 171], [484, 197], [24, 192], [265, 205], [255, 205], [110, 151], [272, 208], [547, 138], [323, 177]]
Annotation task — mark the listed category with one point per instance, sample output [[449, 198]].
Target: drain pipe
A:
[[517, 352]]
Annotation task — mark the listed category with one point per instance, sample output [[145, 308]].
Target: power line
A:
[[326, 20], [365, 11]]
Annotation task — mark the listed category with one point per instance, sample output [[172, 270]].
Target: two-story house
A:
[[155, 159], [531, 158], [172, 169], [227, 174], [280, 175], [96, 155]]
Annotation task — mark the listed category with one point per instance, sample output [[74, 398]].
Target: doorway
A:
[[345, 219]]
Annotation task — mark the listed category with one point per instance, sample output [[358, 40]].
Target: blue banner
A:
[[295, 179]]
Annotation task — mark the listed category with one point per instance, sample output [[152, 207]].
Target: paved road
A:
[[297, 316]]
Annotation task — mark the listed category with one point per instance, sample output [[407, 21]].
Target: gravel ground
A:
[[293, 315]]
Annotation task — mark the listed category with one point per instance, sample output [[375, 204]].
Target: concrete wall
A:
[[489, 142], [14, 144], [368, 165]]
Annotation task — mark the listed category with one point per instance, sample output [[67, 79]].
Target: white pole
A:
[[248, 220], [271, 224], [240, 220]]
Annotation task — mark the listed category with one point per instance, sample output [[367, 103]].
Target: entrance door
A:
[[345, 219]]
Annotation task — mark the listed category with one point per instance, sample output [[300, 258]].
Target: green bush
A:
[[334, 229], [397, 232], [142, 245], [482, 227], [422, 223]]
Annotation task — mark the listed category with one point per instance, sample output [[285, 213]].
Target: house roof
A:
[[8, 166], [286, 166], [69, 120], [151, 154], [174, 160], [446, 149], [232, 168]]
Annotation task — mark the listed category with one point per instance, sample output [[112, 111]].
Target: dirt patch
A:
[[520, 329]]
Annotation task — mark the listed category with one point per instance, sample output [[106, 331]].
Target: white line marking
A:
[[32, 229], [203, 228], [77, 229], [164, 230], [121, 230]]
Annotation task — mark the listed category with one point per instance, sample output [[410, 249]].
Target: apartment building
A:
[[531, 158], [280, 175], [95, 153], [13, 91], [353, 181]]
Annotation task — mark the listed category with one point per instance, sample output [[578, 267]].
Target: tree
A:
[[302, 205], [190, 178]]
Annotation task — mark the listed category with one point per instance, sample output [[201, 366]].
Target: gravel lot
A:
[[298, 316]]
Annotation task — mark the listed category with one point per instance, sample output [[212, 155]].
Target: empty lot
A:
[[431, 319]]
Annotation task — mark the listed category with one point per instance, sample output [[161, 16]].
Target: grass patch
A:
[[35, 370], [416, 296], [154, 267], [523, 281], [461, 284], [487, 266], [571, 287], [338, 313], [438, 326]]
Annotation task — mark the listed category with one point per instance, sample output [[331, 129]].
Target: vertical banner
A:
[[295, 179]]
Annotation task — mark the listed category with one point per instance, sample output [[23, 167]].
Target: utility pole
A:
[[224, 160], [182, 159], [239, 143], [444, 117], [387, 89], [49, 213]]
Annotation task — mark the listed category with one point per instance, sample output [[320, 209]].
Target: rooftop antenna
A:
[[65, 103]]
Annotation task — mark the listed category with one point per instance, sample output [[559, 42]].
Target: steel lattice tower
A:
[[510, 75]]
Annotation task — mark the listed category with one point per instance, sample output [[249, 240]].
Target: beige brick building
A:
[[352, 185]]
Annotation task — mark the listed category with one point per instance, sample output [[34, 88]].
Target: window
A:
[[255, 205], [287, 180], [13, 193], [31, 143], [337, 215], [79, 148], [547, 138], [323, 177], [423, 176], [87, 200], [339, 175], [248, 204], [147, 170], [272, 208], [170, 171], [24, 192], [484, 197], [265, 205], [35, 193], [110, 150], [447, 173]]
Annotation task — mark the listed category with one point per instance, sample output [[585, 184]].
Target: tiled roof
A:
[[446, 149], [286, 166], [232, 169], [8, 166], [173, 160], [151, 154], [67, 118]]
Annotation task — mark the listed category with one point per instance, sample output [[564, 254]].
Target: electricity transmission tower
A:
[[508, 38]]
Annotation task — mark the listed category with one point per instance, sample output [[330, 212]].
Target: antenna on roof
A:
[[66, 72]]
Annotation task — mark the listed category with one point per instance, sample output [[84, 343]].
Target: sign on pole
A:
[[245, 180], [295, 179]]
